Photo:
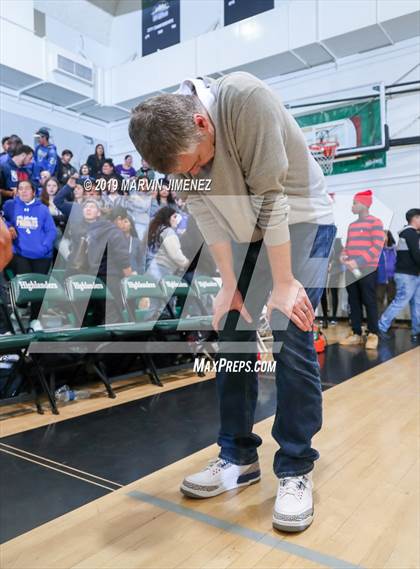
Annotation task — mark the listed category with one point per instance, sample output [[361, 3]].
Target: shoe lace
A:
[[217, 464], [293, 485]]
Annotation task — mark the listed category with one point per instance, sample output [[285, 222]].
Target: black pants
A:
[[22, 265], [363, 293], [324, 303]]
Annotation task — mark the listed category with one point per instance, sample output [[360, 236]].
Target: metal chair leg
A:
[[44, 384], [101, 372]]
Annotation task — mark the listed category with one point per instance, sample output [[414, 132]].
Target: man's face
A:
[[107, 169], [123, 223], [202, 153], [91, 212], [357, 208], [6, 145], [27, 159], [129, 161], [25, 192], [43, 140], [66, 158], [415, 222]]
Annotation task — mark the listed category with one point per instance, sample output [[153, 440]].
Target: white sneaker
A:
[[294, 509], [35, 325], [220, 476]]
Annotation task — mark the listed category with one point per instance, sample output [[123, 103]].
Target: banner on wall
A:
[[236, 10], [161, 24]]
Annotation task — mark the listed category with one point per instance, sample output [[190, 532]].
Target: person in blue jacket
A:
[[45, 157], [33, 232]]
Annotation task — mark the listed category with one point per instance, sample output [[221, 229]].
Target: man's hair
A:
[[412, 213], [67, 151], [163, 127], [27, 182], [5, 139], [22, 149], [128, 156], [109, 162]]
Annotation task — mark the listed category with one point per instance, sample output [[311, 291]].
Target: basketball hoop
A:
[[324, 154]]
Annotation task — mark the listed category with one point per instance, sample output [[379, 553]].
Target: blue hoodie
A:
[[35, 228]]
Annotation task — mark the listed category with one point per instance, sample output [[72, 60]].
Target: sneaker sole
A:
[[198, 494], [293, 527]]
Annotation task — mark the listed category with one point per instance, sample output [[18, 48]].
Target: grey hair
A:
[[163, 127]]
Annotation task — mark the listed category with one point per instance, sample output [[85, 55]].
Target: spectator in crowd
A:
[[65, 169], [164, 253], [84, 171], [95, 161], [45, 157], [126, 169], [69, 200], [111, 197], [14, 140], [145, 171], [5, 142], [407, 277], [365, 240], [44, 176], [138, 204], [385, 286], [33, 232], [196, 249], [108, 255], [14, 169], [136, 247], [48, 194], [335, 271], [164, 198], [108, 171]]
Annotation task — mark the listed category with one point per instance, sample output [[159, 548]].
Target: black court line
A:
[[129, 441]]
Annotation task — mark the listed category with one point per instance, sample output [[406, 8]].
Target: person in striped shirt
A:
[[365, 241]]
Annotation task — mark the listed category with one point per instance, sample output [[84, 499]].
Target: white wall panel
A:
[[302, 23], [249, 40], [21, 12], [33, 60], [388, 9], [153, 72], [338, 17]]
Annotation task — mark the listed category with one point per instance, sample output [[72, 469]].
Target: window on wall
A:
[[236, 10], [161, 25]]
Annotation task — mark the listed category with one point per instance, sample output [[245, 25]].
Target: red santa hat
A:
[[364, 198]]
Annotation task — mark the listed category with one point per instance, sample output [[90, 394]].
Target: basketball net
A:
[[324, 154]]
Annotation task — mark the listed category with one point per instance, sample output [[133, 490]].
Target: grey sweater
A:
[[263, 175]]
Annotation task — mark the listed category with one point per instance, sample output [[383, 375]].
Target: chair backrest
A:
[[82, 288], [33, 287], [205, 285], [40, 289], [175, 286], [136, 287]]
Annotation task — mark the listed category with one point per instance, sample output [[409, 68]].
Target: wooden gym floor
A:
[[366, 486]]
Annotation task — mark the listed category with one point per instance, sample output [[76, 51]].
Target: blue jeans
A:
[[299, 399], [408, 292]]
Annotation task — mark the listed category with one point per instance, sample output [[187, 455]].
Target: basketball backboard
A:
[[354, 119]]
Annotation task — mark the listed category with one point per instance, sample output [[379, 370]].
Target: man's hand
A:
[[6, 252], [228, 299], [291, 299], [351, 265]]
